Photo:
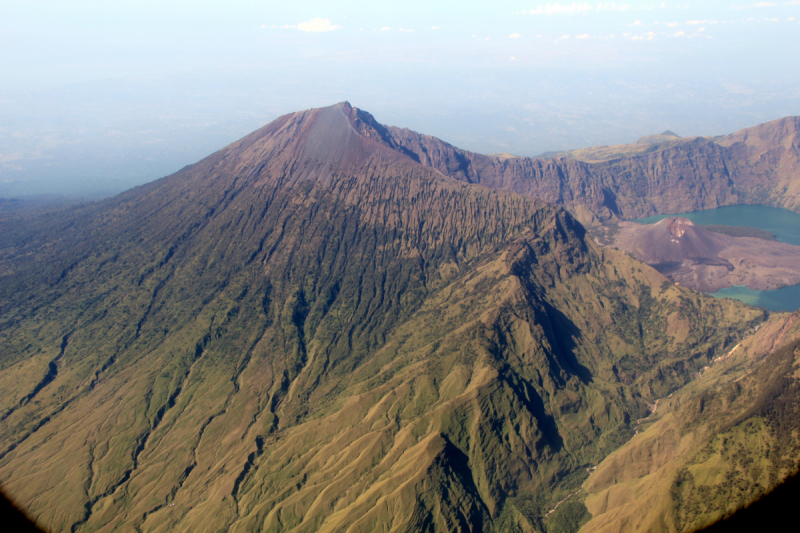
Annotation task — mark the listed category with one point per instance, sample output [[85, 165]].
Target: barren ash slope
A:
[[311, 330]]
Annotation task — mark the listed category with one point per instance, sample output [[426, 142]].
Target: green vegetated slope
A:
[[711, 448], [309, 331]]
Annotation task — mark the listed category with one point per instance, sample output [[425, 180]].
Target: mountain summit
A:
[[324, 327], [664, 136], [303, 146]]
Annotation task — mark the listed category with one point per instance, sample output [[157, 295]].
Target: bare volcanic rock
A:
[[684, 175], [765, 162], [663, 174], [672, 240], [708, 261]]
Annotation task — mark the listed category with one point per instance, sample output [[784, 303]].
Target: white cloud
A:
[[672, 24], [565, 36], [561, 9], [678, 34], [512, 58], [386, 28], [575, 8], [514, 36], [405, 30], [637, 23], [764, 4], [612, 6], [696, 22], [649, 36], [582, 36], [436, 27], [316, 24]]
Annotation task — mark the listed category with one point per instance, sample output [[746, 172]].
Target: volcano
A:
[[319, 329], [708, 261]]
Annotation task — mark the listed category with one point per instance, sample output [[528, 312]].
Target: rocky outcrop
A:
[[765, 162]]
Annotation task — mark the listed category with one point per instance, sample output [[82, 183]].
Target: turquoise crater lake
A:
[[783, 223]]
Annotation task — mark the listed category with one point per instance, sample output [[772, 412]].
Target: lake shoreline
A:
[[782, 223]]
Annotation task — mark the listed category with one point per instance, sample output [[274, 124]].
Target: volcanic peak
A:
[[343, 135], [677, 225], [660, 138], [707, 261], [348, 136], [676, 239], [306, 146]]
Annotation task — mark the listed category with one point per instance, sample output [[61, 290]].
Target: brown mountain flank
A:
[[765, 161], [325, 327], [708, 261]]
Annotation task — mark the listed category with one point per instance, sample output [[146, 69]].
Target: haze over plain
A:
[[97, 97]]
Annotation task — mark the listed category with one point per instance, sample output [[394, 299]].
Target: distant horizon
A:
[[102, 97], [99, 188]]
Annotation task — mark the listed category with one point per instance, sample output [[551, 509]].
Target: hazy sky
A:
[[104, 95]]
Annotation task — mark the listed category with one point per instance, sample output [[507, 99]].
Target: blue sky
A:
[[104, 95]]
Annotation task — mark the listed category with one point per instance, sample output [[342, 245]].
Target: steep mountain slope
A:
[[311, 331], [766, 162], [755, 165], [712, 447]]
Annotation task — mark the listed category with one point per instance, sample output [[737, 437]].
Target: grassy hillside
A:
[[711, 448]]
